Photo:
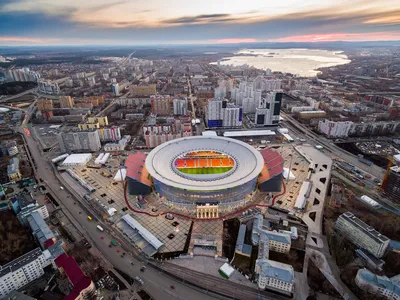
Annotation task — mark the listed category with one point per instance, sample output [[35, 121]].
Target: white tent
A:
[[286, 172]]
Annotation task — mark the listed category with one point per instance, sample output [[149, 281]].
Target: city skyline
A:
[[127, 22]]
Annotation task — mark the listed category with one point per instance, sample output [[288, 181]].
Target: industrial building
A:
[[80, 159], [362, 235], [80, 141]]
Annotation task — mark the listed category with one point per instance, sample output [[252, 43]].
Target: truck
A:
[[100, 228]]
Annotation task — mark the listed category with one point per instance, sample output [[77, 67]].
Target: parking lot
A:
[[110, 193]]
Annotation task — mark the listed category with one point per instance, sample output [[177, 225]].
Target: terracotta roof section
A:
[[135, 168], [273, 165]]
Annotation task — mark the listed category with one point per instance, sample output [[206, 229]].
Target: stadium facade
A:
[[192, 172]]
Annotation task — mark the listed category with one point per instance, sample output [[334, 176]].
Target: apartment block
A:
[[21, 271], [66, 102], [44, 104], [161, 105], [362, 235], [80, 141], [333, 129]]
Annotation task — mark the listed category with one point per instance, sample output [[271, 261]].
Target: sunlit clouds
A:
[[182, 21]]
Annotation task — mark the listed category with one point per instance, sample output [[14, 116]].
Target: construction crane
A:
[[386, 176]]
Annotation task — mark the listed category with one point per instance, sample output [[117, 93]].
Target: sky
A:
[[141, 22]]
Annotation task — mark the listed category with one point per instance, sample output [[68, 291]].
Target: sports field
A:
[[205, 170]]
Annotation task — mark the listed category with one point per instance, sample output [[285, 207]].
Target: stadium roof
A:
[[248, 163]]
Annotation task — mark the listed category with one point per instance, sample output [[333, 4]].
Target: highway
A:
[[338, 152], [156, 284]]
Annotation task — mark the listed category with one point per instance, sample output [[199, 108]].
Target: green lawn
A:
[[214, 170]]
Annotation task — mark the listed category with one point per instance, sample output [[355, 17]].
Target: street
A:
[[156, 284]]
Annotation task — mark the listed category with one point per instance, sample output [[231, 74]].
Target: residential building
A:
[[40, 230], [381, 286], [120, 146], [232, 116], [312, 114], [24, 205], [274, 275], [180, 106], [66, 102], [80, 141], [116, 89], [44, 104], [333, 129], [161, 105], [268, 109], [220, 92], [362, 235], [15, 295], [94, 123], [21, 271], [48, 87], [214, 112], [374, 128], [13, 170], [23, 74], [392, 185], [278, 242], [111, 134]]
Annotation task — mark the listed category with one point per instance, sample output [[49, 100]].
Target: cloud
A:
[[366, 36], [200, 19], [19, 39]]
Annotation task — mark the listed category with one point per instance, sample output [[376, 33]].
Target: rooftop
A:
[[369, 230], [276, 236], [274, 269], [20, 261], [160, 162], [81, 158]]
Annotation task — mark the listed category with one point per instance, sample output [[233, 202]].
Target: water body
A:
[[301, 62]]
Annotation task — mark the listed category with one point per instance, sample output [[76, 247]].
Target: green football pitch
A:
[[206, 170]]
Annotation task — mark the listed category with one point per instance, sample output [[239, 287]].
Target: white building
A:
[[180, 106], [21, 271], [388, 288], [278, 242], [362, 235], [268, 109], [80, 159], [334, 129], [249, 105], [48, 87], [274, 275], [220, 92], [232, 117]]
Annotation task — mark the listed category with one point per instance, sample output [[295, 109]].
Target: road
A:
[[338, 152], [158, 285], [2, 100]]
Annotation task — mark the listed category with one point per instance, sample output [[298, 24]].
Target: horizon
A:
[[127, 22]]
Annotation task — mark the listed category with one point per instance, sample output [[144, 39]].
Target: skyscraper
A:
[[268, 110]]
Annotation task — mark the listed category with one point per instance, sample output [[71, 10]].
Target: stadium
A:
[[196, 171]]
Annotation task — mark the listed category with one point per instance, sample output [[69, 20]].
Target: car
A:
[[172, 287], [139, 280], [102, 237], [142, 269], [118, 251], [132, 263]]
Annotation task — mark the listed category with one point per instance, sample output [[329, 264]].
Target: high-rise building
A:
[[334, 129], [232, 116], [214, 112], [362, 235], [392, 185], [268, 110], [161, 105], [110, 134], [220, 92], [44, 104], [180, 106], [115, 89], [80, 141], [66, 102]]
